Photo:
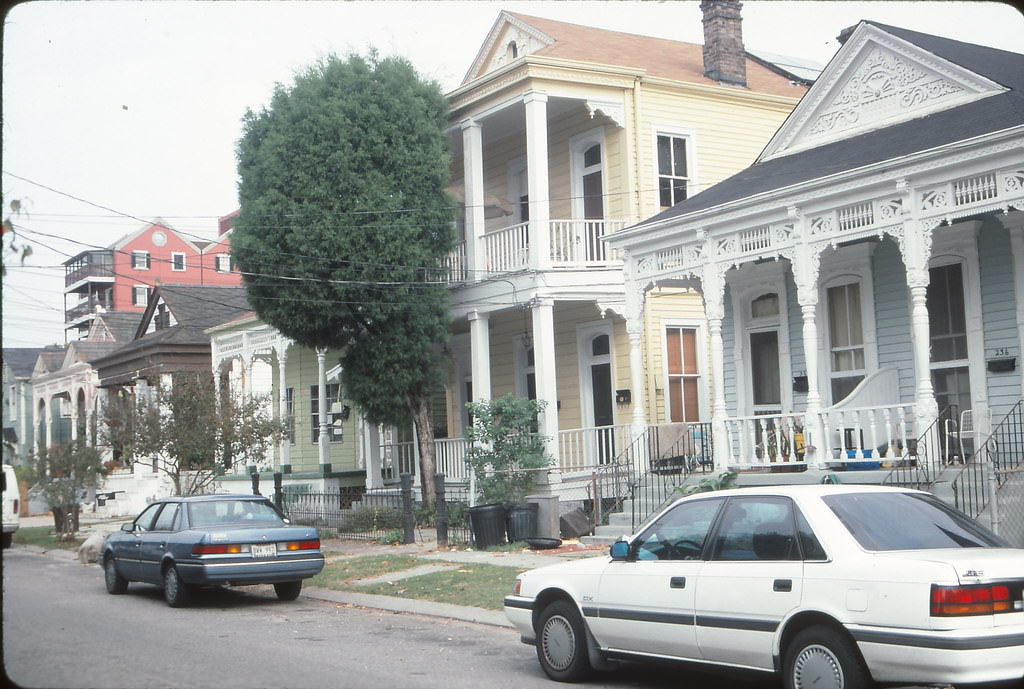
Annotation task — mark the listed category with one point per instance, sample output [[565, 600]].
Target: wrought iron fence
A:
[[379, 514]]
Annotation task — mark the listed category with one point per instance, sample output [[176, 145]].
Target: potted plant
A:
[[505, 453]]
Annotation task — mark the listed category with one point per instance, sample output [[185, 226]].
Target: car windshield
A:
[[236, 511], [908, 521]]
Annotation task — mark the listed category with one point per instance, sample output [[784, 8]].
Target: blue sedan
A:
[[181, 543]]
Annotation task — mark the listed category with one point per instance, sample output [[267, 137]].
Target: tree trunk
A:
[[425, 437]]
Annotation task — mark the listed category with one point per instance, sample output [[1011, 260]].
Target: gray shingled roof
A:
[[974, 119], [21, 360], [121, 324]]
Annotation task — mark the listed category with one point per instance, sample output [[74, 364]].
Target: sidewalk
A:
[[425, 548]]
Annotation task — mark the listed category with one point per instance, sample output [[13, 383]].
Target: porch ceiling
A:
[[510, 120]]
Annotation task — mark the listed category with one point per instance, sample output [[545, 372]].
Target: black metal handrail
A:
[[922, 460], [1002, 452]]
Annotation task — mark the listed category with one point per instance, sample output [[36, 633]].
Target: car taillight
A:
[[302, 545], [217, 549], [986, 599]]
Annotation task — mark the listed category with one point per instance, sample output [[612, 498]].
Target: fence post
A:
[[442, 511], [278, 490], [408, 519], [255, 476]]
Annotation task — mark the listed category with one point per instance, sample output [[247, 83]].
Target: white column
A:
[[323, 411], [284, 455], [371, 452], [634, 330], [480, 355], [546, 373], [1017, 251], [805, 274], [537, 178], [917, 246], [713, 287], [473, 178], [73, 397]]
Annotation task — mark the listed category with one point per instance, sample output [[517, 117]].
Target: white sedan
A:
[[830, 586]]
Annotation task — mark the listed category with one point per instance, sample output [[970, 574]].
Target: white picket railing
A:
[[507, 249], [865, 434], [578, 243], [584, 448]]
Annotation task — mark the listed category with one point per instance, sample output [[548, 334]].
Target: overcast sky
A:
[[117, 113]]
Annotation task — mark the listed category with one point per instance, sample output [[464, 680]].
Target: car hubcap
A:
[[111, 574], [817, 667], [172, 584], [559, 642]]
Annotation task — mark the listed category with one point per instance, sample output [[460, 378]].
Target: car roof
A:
[[805, 490], [215, 496]]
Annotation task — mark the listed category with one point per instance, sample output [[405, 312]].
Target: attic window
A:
[[512, 50], [163, 317]]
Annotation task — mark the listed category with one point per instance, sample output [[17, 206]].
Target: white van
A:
[[12, 505]]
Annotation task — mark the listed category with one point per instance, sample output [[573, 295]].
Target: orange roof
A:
[[659, 57]]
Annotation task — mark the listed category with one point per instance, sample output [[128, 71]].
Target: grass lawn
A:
[[478, 585], [44, 536]]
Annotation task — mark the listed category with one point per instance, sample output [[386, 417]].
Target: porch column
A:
[[805, 272], [1017, 250], [713, 287], [473, 178], [537, 178], [480, 355], [284, 454], [635, 297], [323, 411], [73, 403], [917, 248], [545, 373], [371, 453]]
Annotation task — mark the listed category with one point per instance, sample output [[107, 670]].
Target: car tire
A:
[[116, 584], [823, 658], [177, 593], [288, 590], [8, 539], [562, 643]]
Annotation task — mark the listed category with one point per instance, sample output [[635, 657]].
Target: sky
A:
[[119, 113]]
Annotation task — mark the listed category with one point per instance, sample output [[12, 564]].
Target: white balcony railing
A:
[[583, 448], [865, 434], [574, 244]]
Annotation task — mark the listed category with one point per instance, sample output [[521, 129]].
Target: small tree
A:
[[195, 432], [505, 451], [62, 475]]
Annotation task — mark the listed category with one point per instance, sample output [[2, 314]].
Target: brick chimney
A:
[[724, 58]]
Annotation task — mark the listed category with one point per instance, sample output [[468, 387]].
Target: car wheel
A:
[[288, 590], [177, 593], [822, 658], [562, 643], [116, 584]]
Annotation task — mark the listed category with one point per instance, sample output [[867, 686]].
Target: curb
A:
[[464, 613]]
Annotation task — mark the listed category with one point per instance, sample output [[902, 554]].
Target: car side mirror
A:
[[619, 550], [129, 527]]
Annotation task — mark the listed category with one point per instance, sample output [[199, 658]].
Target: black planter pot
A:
[[521, 522], [488, 522]]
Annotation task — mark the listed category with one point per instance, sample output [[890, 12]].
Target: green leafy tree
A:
[[62, 475], [10, 235], [345, 226], [193, 430], [505, 451]]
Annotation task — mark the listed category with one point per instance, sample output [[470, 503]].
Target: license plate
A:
[[264, 550]]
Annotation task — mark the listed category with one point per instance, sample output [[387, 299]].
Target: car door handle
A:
[[783, 585], [677, 582]]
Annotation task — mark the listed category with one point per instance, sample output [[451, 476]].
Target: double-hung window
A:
[[140, 260], [140, 295], [178, 262], [334, 420], [673, 171], [683, 374], [222, 262], [846, 338]]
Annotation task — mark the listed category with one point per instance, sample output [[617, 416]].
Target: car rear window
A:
[[222, 512], [908, 521]]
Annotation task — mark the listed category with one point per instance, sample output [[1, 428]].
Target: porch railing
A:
[[583, 448], [576, 243], [855, 435], [1002, 453]]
